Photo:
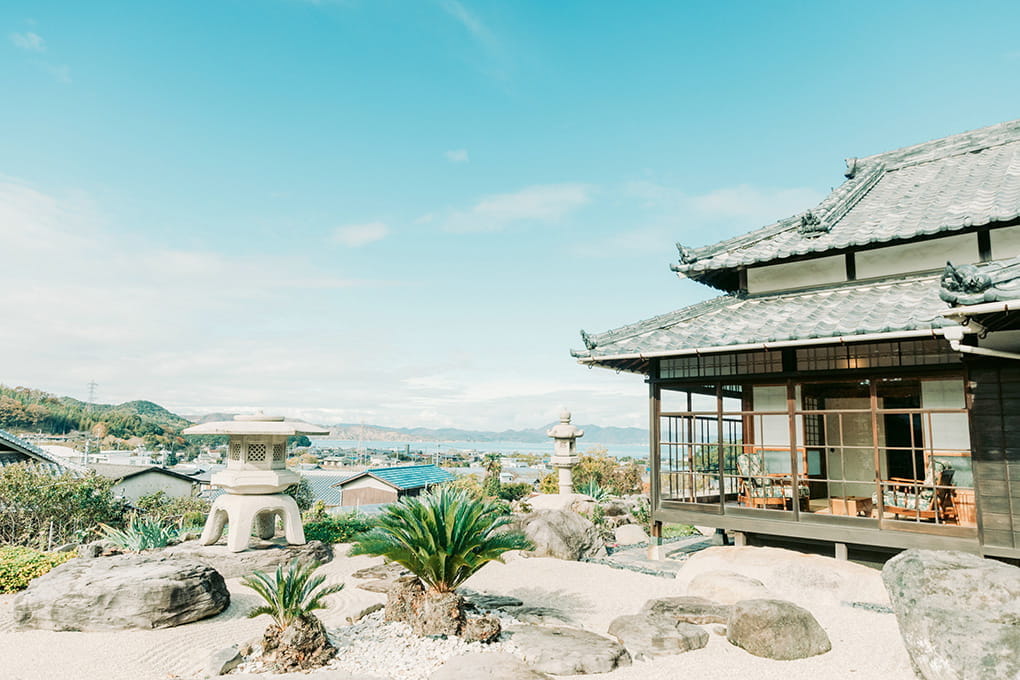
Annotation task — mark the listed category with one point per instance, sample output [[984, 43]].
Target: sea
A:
[[637, 451]]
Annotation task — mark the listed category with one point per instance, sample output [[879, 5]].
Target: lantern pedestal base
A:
[[242, 512]]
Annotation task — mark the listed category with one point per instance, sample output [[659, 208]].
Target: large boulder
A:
[[574, 502], [646, 635], [776, 629], [486, 666], [790, 575], [121, 592], [566, 651], [696, 610], [959, 614], [630, 534], [562, 534], [265, 557], [726, 587]]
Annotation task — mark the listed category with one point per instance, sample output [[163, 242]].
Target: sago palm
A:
[[442, 537], [291, 594]]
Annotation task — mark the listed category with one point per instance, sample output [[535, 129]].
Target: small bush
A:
[[18, 566], [338, 528], [515, 492]]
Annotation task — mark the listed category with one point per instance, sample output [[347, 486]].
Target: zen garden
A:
[[831, 489]]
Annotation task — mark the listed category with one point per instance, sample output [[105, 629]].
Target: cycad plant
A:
[[290, 595], [442, 537], [596, 491]]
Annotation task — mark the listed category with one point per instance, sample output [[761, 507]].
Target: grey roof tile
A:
[[906, 304], [949, 184]]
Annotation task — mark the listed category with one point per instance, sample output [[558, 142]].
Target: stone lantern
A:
[[254, 480], [565, 456]]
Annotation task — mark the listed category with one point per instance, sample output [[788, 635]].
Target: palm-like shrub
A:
[[442, 537], [140, 534], [290, 595]]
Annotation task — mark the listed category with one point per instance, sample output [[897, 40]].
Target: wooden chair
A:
[[759, 488], [922, 500]]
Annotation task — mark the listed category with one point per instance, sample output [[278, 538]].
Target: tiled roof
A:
[[898, 305], [119, 472], [26, 450], [324, 487], [408, 476], [949, 184]]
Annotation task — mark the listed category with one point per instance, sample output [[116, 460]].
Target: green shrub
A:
[[289, 595], [515, 492], [178, 511], [338, 528], [19, 565], [140, 534], [41, 510], [443, 536]]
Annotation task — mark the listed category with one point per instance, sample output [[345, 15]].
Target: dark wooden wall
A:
[[994, 387]]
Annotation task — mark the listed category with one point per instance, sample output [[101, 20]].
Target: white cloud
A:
[[457, 156], [540, 203], [357, 235], [60, 72], [29, 41], [467, 19]]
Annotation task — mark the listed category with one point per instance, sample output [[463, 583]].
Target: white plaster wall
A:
[[1005, 242], [148, 483], [815, 272], [917, 257]]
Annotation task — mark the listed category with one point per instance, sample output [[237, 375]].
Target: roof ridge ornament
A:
[[687, 255], [970, 284], [811, 225], [589, 341]]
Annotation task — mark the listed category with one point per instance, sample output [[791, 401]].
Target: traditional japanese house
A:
[[848, 385]]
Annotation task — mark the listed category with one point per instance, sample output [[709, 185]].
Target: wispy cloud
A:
[[457, 156], [357, 235], [478, 30], [60, 72], [29, 41], [547, 203]]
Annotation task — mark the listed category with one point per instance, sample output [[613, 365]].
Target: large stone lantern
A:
[[565, 456], [254, 480]]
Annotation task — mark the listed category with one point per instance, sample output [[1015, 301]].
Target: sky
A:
[[402, 212]]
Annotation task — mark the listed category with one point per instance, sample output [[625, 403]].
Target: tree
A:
[[302, 494], [493, 469]]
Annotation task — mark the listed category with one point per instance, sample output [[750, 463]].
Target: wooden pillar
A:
[[654, 448]]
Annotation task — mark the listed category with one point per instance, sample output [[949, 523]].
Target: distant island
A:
[[594, 433]]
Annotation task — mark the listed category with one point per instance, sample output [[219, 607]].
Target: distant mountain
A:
[[592, 433]]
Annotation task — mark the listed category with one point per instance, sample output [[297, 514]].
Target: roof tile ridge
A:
[[898, 279], [659, 321], [945, 147]]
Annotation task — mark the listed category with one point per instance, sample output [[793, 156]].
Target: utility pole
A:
[[89, 405]]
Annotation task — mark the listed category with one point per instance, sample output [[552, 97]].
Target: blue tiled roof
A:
[[408, 477]]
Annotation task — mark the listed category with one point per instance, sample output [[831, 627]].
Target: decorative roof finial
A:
[[686, 254], [811, 225]]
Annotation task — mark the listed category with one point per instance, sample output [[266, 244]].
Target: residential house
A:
[[387, 485], [848, 386], [134, 481]]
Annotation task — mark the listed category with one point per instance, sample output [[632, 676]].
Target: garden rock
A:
[[575, 502], [959, 614], [562, 534], [223, 661], [645, 635], [300, 646], [265, 557], [403, 599], [776, 629], [101, 548], [481, 629], [630, 534], [487, 666], [696, 610], [566, 651], [370, 609], [439, 614], [387, 570], [121, 592], [378, 586], [489, 602], [727, 587]]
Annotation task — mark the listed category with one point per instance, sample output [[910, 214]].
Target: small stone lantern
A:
[[565, 455], [254, 480]]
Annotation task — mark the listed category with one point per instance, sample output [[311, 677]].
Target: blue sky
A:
[[403, 212]]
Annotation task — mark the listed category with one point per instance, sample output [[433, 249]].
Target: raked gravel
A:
[[390, 649]]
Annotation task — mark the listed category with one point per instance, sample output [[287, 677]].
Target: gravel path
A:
[[865, 644]]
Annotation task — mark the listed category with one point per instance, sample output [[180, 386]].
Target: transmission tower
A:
[[92, 394]]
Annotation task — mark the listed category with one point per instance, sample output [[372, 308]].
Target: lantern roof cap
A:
[[257, 423]]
